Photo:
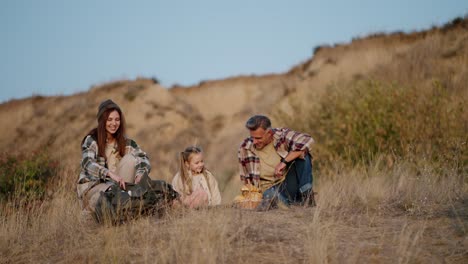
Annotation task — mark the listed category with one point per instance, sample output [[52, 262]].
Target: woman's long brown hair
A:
[[100, 135]]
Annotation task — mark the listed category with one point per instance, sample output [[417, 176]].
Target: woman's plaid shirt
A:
[[93, 167], [284, 141]]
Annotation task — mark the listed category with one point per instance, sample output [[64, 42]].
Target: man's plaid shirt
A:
[[94, 169], [284, 141]]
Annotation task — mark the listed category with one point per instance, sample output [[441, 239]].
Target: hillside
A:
[[212, 113]]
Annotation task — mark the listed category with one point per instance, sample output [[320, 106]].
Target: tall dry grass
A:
[[365, 214]]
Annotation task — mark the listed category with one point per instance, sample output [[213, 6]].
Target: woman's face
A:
[[196, 162], [112, 123]]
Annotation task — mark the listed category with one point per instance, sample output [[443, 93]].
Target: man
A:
[[278, 161]]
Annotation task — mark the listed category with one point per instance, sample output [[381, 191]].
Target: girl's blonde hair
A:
[[185, 173]]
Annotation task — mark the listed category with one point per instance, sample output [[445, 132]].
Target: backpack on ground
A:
[[149, 197]]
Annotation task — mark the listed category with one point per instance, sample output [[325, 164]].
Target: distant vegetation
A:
[[26, 177], [368, 119]]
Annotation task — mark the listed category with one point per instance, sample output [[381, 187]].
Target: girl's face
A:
[[112, 123], [196, 163]]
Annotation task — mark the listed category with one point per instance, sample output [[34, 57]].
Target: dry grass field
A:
[[389, 115], [370, 215]]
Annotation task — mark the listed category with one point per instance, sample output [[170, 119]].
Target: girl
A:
[[109, 157], [195, 184]]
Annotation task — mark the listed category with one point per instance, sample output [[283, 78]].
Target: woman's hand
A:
[[117, 179], [138, 178]]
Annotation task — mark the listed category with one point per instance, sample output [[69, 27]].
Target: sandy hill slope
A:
[[212, 113]]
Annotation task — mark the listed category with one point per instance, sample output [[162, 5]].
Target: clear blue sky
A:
[[60, 47]]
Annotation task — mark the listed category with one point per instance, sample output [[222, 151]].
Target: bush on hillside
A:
[[26, 177], [367, 119]]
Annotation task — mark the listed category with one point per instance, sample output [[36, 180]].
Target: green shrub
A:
[[368, 119], [25, 177]]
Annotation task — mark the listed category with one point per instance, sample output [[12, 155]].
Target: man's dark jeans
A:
[[296, 186]]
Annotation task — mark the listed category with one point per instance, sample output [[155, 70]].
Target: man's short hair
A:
[[257, 121]]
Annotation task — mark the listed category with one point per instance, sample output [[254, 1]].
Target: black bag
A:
[[149, 197]]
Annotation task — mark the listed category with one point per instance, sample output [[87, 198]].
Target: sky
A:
[[62, 47]]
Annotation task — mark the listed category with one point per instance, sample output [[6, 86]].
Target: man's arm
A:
[[297, 141], [244, 174], [292, 155]]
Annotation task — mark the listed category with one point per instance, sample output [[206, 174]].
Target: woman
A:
[[109, 157]]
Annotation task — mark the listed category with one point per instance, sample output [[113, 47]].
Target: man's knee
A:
[[301, 171], [303, 164]]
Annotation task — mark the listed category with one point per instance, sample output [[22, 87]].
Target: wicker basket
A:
[[249, 199]]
